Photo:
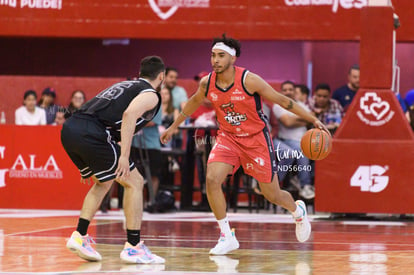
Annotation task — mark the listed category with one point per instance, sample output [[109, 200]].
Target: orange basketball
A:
[[316, 144]]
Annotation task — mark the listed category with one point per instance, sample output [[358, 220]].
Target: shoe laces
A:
[[299, 221], [145, 248], [222, 237], [88, 239]]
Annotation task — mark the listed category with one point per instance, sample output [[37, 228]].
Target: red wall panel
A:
[[260, 19]]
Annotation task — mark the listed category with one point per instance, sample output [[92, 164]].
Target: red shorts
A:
[[254, 153]]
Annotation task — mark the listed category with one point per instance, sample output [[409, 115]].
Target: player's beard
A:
[[224, 68]]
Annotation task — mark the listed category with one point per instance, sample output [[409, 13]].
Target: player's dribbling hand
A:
[[166, 135], [123, 168], [319, 125]]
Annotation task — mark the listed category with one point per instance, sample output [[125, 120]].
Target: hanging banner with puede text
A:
[[193, 19]]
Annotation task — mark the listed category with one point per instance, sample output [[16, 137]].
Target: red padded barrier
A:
[[370, 168], [376, 47], [35, 171]]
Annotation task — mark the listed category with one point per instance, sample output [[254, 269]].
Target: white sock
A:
[[224, 226], [298, 212]]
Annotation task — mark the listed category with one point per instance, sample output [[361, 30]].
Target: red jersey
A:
[[238, 111]]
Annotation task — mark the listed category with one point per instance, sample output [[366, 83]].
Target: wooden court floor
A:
[[33, 242]]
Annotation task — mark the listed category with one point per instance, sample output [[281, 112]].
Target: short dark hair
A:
[[323, 86], [287, 82], [29, 93], [151, 66], [353, 67], [303, 89], [170, 69], [231, 42]]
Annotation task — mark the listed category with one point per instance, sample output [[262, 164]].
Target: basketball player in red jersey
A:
[[243, 137]]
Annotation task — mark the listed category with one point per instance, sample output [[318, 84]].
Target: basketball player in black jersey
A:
[[90, 138]]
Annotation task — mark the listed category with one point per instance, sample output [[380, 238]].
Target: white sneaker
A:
[[139, 254], [303, 226], [81, 245], [225, 244], [307, 192]]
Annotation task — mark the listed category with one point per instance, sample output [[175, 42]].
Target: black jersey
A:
[[109, 105]]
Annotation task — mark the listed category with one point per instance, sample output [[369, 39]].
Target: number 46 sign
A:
[[370, 178]]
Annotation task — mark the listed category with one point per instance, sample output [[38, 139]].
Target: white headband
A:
[[224, 47]]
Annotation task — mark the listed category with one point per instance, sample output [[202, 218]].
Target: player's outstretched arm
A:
[[138, 106], [192, 104], [255, 83]]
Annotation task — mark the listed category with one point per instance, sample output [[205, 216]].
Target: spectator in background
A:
[[146, 150], [60, 117], [29, 113], [329, 111], [47, 102], [76, 101], [179, 95], [302, 93], [291, 130], [168, 114], [409, 101], [346, 93], [179, 98]]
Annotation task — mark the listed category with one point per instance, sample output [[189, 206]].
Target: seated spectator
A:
[[302, 93], [291, 130], [409, 101], [346, 93], [47, 102], [77, 99], [402, 103], [284, 154], [60, 117], [326, 109], [29, 113]]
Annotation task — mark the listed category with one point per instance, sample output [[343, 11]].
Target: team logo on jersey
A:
[[231, 116], [213, 96]]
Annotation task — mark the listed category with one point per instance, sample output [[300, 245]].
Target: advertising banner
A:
[[193, 19], [35, 172]]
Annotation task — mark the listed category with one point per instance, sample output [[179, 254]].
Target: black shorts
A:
[[152, 156], [91, 148]]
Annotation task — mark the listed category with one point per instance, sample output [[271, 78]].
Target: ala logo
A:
[[370, 178], [213, 96], [173, 6], [374, 111], [28, 167], [345, 4]]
